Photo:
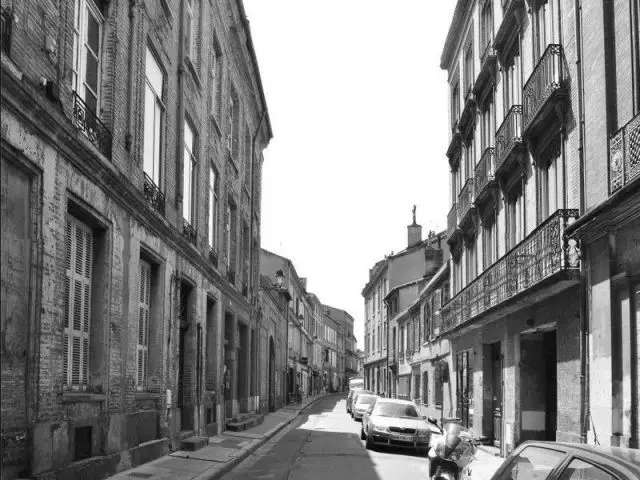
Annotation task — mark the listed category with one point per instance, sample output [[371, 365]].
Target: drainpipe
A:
[[584, 321]]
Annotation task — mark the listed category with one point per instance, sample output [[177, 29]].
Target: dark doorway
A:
[[272, 376], [184, 394], [551, 400], [229, 353], [496, 388], [464, 389]]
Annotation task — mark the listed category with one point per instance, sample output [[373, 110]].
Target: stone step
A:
[[194, 443], [247, 422]]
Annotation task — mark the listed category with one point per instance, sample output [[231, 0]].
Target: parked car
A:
[[352, 392], [354, 398], [535, 460], [362, 403], [397, 423]]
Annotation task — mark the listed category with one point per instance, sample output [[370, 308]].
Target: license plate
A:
[[406, 437]]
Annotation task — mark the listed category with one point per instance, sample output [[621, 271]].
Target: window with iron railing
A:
[[486, 27]]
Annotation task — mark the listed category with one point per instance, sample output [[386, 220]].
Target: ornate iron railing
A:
[[484, 171], [91, 126], [213, 257], [624, 155], [5, 30], [231, 275], [542, 254], [508, 135], [452, 220], [153, 194], [545, 79], [465, 198], [189, 232]]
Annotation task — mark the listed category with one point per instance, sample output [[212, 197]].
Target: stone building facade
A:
[[132, 138], [346, 344], [524, 103]]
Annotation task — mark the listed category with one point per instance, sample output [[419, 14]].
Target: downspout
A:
[[584, 321]]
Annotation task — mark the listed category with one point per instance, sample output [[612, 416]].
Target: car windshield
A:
[[366, 399], [388, 409]]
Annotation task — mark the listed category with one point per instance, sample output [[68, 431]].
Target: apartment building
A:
[[516, 322], [346, 345], [410, 264], [132, 139]]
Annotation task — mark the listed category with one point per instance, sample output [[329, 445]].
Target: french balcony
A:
[[401, 357], [189, 232], [213, 257], [452, 222], [543, 90], [91, 126], [465, 202], [545, 261], [468, 115], [509, 143], [511, 11], [153, 195], [487, 73], [245, 289], [484, 175], [624, 155]]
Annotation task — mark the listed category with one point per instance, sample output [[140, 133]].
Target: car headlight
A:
[[380, 428]]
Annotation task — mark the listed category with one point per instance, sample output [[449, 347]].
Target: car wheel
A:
[[362, 435], [368, 443]]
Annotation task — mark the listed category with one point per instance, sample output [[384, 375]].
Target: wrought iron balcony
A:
[[483, 175], [543, 254], [91, 126], [509, 139], [153, 195], [231, 275], [5, 32], [544, 88], [624, 155], [455, 147], [213, 257], [189, 232], [452, 221], [465, 200], [468, 115]]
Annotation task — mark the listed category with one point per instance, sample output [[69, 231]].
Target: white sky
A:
[[358, 106]]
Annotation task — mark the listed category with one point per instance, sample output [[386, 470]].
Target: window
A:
[[581, 470], [549, 181], [142, 349], [515, 216], [486, 26], [213, 206], [425, 388], [512, 85], [437, 379], [468, 65], [153, 113], [215, 78], [533, 463], [455, 102], [471, 260], [77, 302], [189, 181], [192, 27], [489, 241], [426, 319], [487, 124], [542, 28], [87, 38]]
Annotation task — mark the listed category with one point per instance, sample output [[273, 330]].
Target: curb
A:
[[249, 449]]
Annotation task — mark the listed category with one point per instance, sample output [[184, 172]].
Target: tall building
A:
[[132, 139], [411, 264], [533, 101], [346, 345]]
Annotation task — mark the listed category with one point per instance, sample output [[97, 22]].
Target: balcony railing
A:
[[484, 171], [231, 275], [91, 126], [188, 231], [542, 254], [213, 257], [5, 32], [452, 221], [624, 155], [465, 199], [508, 136], [153, 194], [545, 81]]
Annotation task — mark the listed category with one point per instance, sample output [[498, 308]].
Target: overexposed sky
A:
[[358, 106]]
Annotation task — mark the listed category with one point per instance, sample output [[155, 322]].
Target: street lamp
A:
[[279, 278]]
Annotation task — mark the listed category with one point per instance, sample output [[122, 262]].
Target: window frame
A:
[[190, 155], [158, 125], [144, 308], [213, 204]]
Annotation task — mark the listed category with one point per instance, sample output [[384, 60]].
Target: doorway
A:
[[272, 375], [184, 394], [464, 389], [496, 390], [551, 397]]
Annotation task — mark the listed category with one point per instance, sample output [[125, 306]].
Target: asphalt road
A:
[[324, 443]]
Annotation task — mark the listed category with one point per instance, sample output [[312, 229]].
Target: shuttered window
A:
[[142, 349], [77, 303], [425, 388]]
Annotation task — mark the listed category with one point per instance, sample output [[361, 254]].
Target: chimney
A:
[[414, 231]]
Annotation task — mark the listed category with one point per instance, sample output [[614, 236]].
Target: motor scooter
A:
[[452, 448]]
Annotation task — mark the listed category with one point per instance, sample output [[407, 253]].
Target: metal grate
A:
[[91, 126]]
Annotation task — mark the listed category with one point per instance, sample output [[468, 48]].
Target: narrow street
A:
[[324, 442]]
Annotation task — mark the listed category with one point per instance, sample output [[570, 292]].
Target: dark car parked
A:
[[569, 461]]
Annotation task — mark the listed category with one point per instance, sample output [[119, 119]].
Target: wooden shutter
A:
[[77, 302], [142, 350], [425, 388]]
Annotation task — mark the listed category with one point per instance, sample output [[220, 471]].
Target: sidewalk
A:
[[222, 454]]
